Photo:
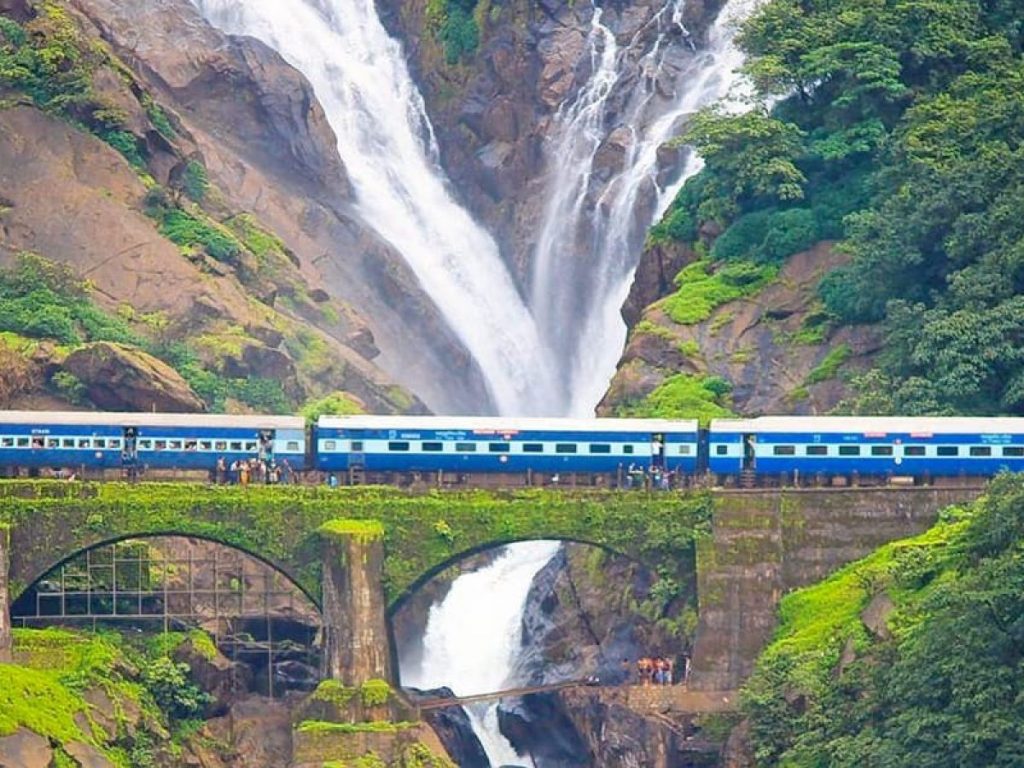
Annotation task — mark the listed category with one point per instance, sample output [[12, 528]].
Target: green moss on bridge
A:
[[422, 531]]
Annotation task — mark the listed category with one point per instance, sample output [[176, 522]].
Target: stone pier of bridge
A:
[[356, 643]]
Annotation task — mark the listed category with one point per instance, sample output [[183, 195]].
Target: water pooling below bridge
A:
[[474, 636]]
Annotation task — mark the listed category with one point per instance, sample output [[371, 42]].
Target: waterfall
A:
[[593, 228], [386, 141], [473, 638], [582, 264]]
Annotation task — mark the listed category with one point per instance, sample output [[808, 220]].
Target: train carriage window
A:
[[220, 445], [37, 442], [174, 445], [721, 450], [250, 445], [159, 445], [533, 447], [398, 445], [849, 450], [433, 447], [881, 450], [52, 442], [357, 445], [1013, 450], [685, 450], [600, 448], [330, 445], [236, 445], [191, 445], [784, 450], [68, 442], [981, 450], [627, 449], [292, 445], [913, 450], [465, 447], [7, 442], [205, 445], [101, 442], [498, 447], [84, 442], [817, 450], [145, 445], [116, 443], [948, 450], [565, 448]]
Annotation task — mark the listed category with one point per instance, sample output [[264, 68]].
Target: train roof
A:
[[923, 425], [507, 424], [136, 419]]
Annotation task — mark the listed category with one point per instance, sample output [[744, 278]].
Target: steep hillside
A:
[[909, 657], [893, 131], [192, 181]]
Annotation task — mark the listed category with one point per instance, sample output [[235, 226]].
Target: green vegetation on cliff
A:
[[454, 24], [683, 396], [912, 656], [47, 691], [899, 129]]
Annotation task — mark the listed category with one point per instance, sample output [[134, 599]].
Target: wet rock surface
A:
[[452, 726], [495, 114], [584, 618]]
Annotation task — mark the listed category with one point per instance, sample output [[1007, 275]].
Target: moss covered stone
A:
[[284, 525], [363, 530]]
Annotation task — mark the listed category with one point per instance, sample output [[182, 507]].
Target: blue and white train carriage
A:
[[914, 446], [489, 444], [36, 439]]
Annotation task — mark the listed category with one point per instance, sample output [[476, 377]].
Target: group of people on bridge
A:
[[256, 470], [656, 670]]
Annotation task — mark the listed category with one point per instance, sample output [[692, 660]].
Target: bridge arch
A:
[[34, 580]]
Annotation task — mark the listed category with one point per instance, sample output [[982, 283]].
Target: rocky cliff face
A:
[[267, 144], [311, 293], [775, 347], [495, 113], [592, 613]]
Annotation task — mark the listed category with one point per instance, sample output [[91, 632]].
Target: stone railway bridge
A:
[[358, 551]]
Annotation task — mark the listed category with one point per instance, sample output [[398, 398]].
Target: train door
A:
[[658, 451], [749, 453], [266, 445], [130, 452]]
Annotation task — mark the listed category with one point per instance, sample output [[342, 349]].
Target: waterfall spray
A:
[[604, 222]]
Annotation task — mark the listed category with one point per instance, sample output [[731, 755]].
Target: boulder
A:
[[25, 749], [87, 756], [225, 680], [119, 377]]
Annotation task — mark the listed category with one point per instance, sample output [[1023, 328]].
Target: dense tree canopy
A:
[[898, 128]]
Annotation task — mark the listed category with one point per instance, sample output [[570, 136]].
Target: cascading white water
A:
[[473, 638], [360, 77], [386, 142], [610, 219]]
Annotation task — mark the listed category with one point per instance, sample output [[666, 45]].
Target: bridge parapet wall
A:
[[766, 543]]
